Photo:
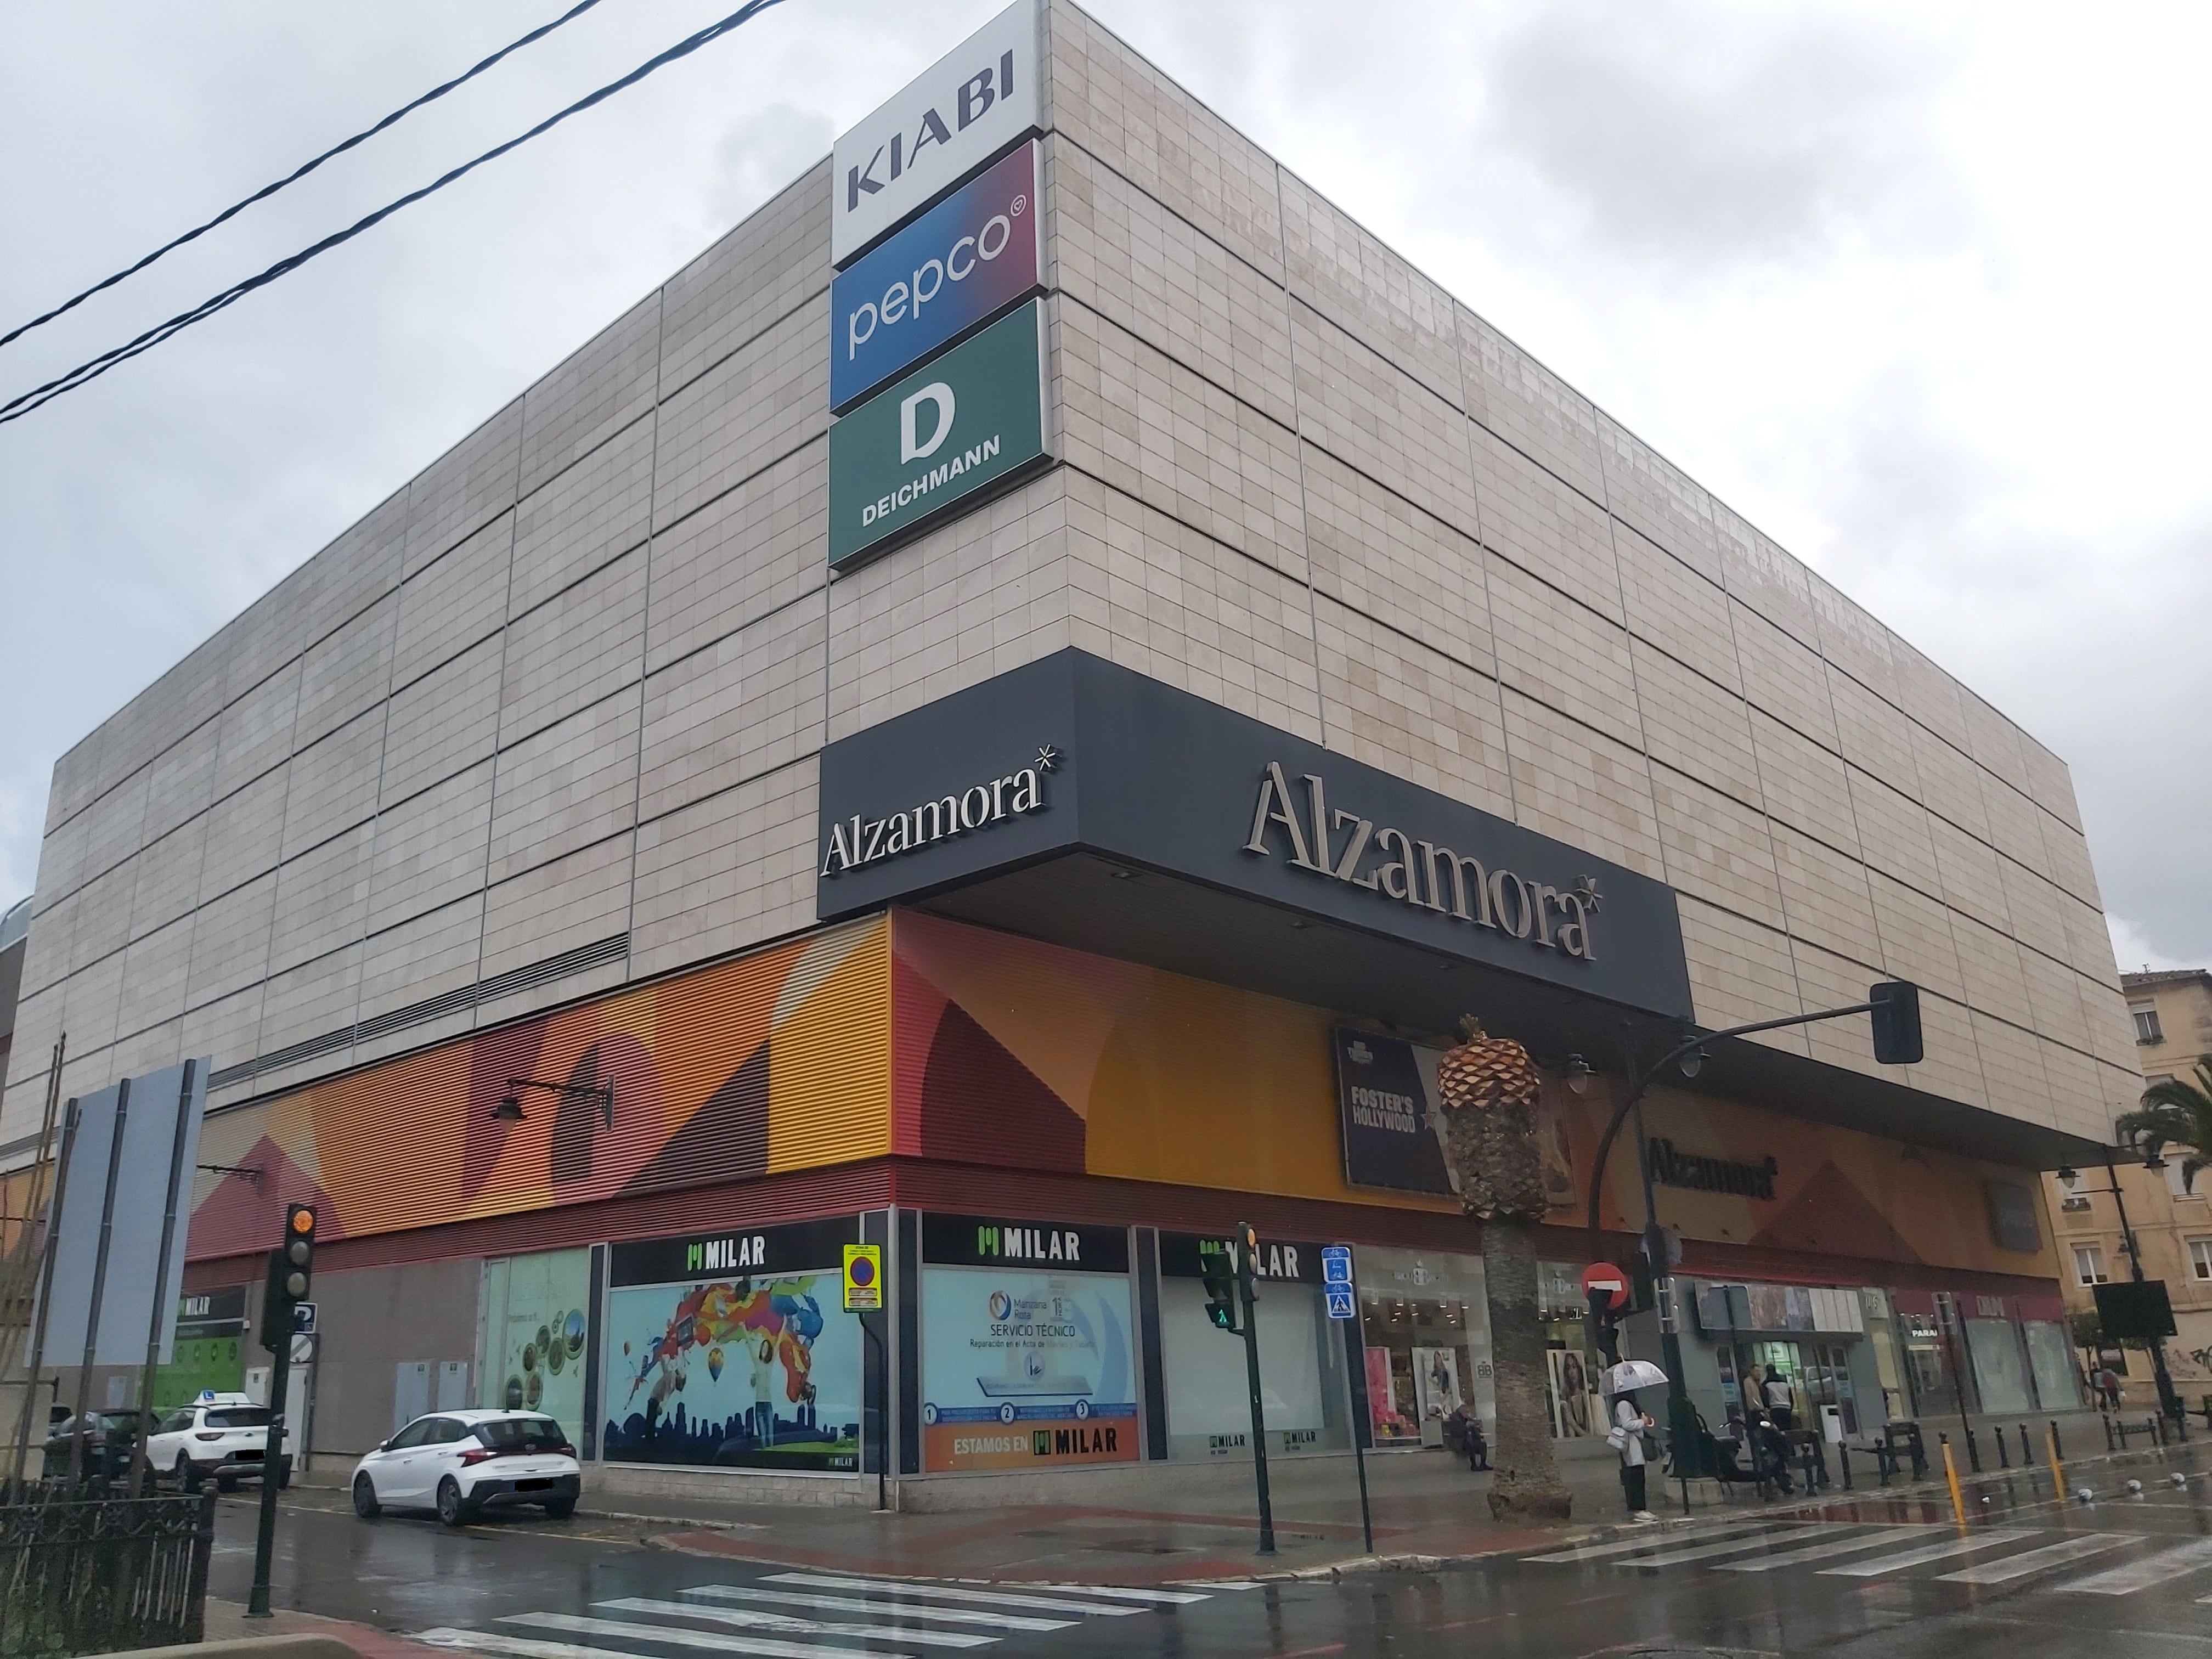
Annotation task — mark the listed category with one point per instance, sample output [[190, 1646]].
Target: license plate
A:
[[533, 1485], [242, 1456]]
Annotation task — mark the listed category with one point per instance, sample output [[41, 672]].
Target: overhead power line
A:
[[38, 396], [298, 173]]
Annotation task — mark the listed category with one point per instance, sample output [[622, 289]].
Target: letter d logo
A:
[[935, 392]]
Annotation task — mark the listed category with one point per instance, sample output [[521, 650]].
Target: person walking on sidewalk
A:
[[1630, 1420], [1781, 1404]]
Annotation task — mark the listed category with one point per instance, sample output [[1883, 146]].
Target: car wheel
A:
[[364, 1499], [560, 1509], [187, 1472], [453, 1509]]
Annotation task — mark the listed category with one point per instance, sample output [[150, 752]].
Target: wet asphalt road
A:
[[2030, 1576]]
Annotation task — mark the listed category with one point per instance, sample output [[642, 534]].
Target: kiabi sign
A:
[[972, 255], [973, 102], [970, 419]]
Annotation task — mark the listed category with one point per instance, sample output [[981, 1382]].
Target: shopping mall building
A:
[[1007, 710]]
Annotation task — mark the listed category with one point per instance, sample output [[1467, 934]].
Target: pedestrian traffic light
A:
[[1220, 1282], [291, 1275], [1896, 1022]]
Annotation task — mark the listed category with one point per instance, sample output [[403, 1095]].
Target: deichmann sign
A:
[[973, 102], [971, 419], [1161, 779], [970, 256]]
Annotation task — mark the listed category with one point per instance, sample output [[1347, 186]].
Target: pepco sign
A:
[[971, 256]]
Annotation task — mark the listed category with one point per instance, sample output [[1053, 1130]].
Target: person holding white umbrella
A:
[[1630, 1422]]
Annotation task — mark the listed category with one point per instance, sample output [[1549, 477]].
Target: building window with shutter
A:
[[2146, 1018], [2200, 1257], [2089, 1265]]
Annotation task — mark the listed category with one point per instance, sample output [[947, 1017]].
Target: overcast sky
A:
[[1920, 291]]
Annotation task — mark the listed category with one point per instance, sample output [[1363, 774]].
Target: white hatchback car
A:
[[219, 1437], [459, 1462]]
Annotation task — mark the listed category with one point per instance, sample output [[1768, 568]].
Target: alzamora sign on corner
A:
[[966, 420]]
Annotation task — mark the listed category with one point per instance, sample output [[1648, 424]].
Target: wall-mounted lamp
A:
[[2068, 1174], [1579, 1074], [1693, 1062], [509, 1109], [252, 1172]]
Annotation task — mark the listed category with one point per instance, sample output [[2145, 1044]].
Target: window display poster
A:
[[1572, 1397], [1026, 1368], [1435, 1382], [747, 1361], [533, 1334], [1390, 1424]]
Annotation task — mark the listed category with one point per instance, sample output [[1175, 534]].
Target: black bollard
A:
[[2004, 1455], [2108, 1430], [1843, 1457], [2057, 1446], [2123, 1427], [1973, 1449], [2026, 1448], [2157, 1426]]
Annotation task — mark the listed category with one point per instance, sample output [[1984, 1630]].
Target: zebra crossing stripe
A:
[[2010, 1567], [760, 1647], [791, 1624], [910, 1610], [947, 1593], [2155, 1569], [1822, 1552], [1705, 1552], [1926, 1552], [1116, 1592], [1599, 1552], [523, 1647]]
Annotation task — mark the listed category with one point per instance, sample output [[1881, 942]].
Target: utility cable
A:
[[298, 172], [38, 396]]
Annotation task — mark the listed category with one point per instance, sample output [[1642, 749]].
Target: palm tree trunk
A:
[[1526, 1489]]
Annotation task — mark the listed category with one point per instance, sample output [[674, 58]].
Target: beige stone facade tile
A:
[[1380, 555], [2050, 783], [753, 550], [321, 900], [1183, 155], [1988, 962], [1851, 638], [454, 602], [1950, 783], [1953, 1069], [1825, 979], [760, 272], [245, 835], [1876, 737], [168, 884], [1994, 741], [1763, 576], [1674, 608], [1716, 849], [2112, 1033], [1783, 676], [2054, 1000], [464, 489], [1929, 695], [598, 390], [1804, 785], [1524, 405], [425, 958], [1915, 938], [1826, 897], [558, 907], [1580, 786], [2088, 943], [583, 644], [346, 673], [566, 787], [1551, 530], [1394, 703], [726, 871], [2077, 1092], [180, 783], [117, 829], [1134, 418], [429, 849], [2012, 1069], [1561, 653], [444, 722], [62, 860], [103, 915], [255, 730], [2014, 829], [1740, 972], [2068, 865], [1694, 725], [308, 1002], [1967, 871], [154, 971], [1893, 831], [91, 1000], [1647, 490], [1348, 274], [1116, 252], [1373, 416], [750, 409], [583, 517], [2033, 904], [230, 941], [333, 783], [749, 704]]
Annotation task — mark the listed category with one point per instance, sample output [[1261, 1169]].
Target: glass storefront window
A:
[[1999, 1365], [1933, 1388], [1302, 1373], [530, 1352], [1888, 1355], [2050, 1362], [1571, 1374], [1426, 1326]]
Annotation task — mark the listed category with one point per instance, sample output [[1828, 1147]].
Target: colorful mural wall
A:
[[773, 1061]]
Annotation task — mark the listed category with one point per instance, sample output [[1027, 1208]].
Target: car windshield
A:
[[522, 1434], [236, 1417]]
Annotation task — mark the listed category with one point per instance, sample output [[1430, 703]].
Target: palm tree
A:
[[2175, 1112], [1489, 1088]]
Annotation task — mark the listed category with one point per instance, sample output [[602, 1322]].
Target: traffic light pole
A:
[[1246, 1240], [272, 1473]]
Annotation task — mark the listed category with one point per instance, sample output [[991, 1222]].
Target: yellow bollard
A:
[[2057, 1469], [1951, 1474]]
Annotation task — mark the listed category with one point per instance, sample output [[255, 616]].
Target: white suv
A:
[[218, 1436], [459, 1462]]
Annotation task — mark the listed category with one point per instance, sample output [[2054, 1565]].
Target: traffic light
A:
[[291, 1276], [1896, 1022], [1220, 1281]]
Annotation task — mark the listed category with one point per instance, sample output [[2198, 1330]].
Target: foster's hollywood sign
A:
[[971, 256]]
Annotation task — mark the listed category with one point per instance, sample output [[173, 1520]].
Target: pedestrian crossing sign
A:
[[864, 1278]]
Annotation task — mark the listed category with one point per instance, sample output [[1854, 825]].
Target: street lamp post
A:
[[2169, 1402]]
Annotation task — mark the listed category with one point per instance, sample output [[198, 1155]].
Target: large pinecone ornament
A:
[[1489, 1088]]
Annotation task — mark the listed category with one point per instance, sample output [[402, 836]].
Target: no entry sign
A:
[[1604, 1276]]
